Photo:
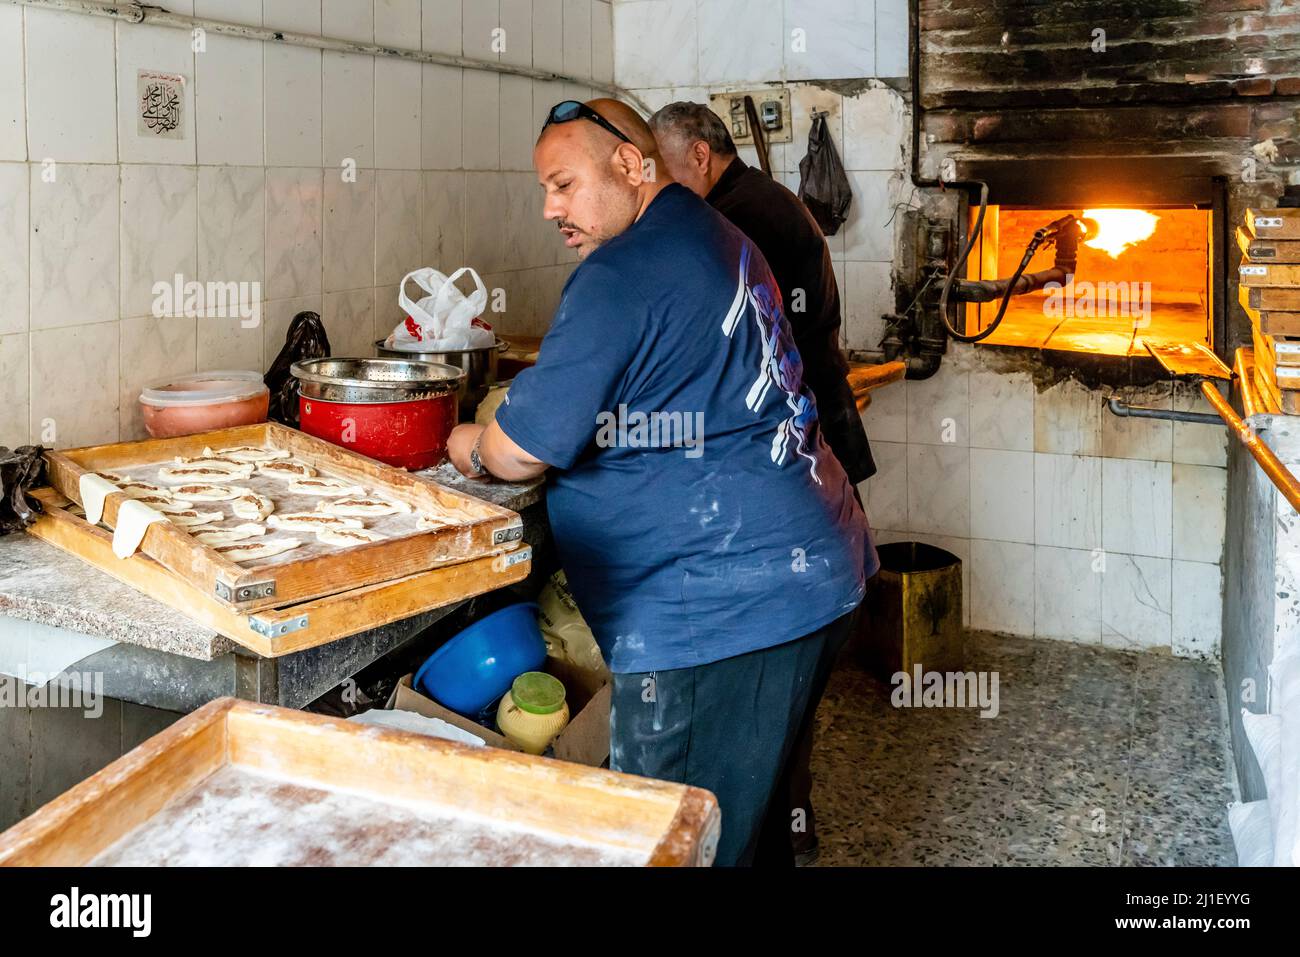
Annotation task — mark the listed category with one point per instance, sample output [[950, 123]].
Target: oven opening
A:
[[1142, 272]]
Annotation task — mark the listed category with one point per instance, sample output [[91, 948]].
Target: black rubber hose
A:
[[961, 263]]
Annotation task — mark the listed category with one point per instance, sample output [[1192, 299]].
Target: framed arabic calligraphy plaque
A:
[[160, 98]]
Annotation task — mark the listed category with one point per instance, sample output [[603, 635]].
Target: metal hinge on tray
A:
[[249, 592]]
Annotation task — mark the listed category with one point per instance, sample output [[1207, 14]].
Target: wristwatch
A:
[[475, 462]]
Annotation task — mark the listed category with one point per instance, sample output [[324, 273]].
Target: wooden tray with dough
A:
[[228, 784], [481, 528], [272, 632]]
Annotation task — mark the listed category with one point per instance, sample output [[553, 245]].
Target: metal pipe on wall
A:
[[132, 12]]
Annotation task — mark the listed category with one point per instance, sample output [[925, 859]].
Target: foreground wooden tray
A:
[[280, 581], [272, 632], [377, 796]]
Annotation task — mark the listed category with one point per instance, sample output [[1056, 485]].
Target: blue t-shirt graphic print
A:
[[695, 507], [780, 362]]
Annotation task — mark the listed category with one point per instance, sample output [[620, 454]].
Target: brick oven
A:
[[1167, 113]]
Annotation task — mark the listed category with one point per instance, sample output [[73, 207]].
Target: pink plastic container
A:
[[202, 401]]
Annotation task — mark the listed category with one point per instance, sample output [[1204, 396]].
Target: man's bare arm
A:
[[496, 450]]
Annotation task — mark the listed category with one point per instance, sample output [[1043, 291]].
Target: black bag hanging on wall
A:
[[306, 339], [823, 187]]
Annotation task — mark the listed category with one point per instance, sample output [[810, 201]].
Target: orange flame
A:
[[1118, 229]]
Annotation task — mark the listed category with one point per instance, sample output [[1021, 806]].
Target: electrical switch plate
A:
[[731, 107]]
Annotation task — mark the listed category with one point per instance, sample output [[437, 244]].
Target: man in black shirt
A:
[[700, 154]]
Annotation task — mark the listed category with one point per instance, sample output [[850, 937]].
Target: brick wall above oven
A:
[[1141, 97]]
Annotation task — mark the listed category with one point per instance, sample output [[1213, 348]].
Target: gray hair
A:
[[689, 122]]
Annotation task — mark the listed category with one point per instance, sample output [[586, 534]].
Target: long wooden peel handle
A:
[[1277, 473]]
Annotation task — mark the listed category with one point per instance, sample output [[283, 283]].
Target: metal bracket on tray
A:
[[272, 629], [511, 533], [249, 592], [510, 559]]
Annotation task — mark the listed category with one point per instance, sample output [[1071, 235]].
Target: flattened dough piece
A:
[[248, 551], [287, 469], [363, 505], [215, 462], [203, 473], [247, 453], [232, 533], [310, 521], [325, 485], [207, 492], [252, 506], [136, 489], [190, 517], [346, 537]]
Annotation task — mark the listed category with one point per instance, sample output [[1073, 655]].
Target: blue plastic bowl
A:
[[478, 665]]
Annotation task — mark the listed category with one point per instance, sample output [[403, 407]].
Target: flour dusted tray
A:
[[474, 529], [236, 783]]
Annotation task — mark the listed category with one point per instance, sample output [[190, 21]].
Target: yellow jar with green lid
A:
[[533, 712]]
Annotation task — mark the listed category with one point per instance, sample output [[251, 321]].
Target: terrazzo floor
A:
[[1097, 757]]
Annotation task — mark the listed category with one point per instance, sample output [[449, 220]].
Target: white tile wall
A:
[[829, 39], [397, 23], [1001, 410], [74, 245], [1199, 518], [14, 393], [348, 246], [14, 237], [397, 113], [1068, 500], [656, 43], [71, 114], [159, 228], [1001, 485], [293, 106], [294, 230], [348, 98], [891, 38], [1137, 507], [228, 102], [1197, 609], [1136, 602], [1002, 587], [254, 190], [13, 112], [1067, 594]]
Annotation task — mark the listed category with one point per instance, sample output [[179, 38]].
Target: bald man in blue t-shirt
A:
[[712, 541]]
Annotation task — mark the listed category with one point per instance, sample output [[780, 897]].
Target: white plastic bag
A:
[[1252, 833], [445, 318]]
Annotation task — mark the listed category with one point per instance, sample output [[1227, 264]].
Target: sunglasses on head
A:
[[571, 110]]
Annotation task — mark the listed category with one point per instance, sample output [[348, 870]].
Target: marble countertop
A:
[[41, 583]]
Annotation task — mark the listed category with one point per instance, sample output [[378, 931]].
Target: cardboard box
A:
[[584, 741]]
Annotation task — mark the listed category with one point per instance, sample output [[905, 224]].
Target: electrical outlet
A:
[[772, 106]]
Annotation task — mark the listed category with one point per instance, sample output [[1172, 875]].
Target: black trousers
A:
[[729, 726], [791, 824]]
